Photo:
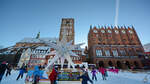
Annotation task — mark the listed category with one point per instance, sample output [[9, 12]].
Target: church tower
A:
[[67, 25]]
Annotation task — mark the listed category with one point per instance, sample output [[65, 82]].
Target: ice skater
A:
[[85, 78], [102, 71], [2, 69], [53, 76], [94, 74], [36, 74], [21, 72], [9, 68]]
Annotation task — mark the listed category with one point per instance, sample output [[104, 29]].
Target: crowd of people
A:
[[36, 74], [85, 77]]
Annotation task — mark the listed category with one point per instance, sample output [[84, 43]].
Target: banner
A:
[[68, 76]]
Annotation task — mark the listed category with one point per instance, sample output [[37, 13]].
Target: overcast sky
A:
[[24, 18]]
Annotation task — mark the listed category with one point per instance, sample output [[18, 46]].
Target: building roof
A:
[[40, 40], [147, 47]]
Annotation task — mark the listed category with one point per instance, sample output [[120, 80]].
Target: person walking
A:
[[85, 78], [2, 69], [53, 76], [9, 67], [21, 72], [102, 71], [94, 74]]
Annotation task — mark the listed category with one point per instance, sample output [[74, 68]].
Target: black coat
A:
[[85, 79], [2, 68]]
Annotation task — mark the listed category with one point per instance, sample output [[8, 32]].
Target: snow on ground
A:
[[113, 78]]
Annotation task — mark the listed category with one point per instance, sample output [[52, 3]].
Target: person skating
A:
[[53, 76], [2, 69], [9, 67], [102, 71], [106, 74], [94, 74], [85, 78], [21, 72], [36, 74]]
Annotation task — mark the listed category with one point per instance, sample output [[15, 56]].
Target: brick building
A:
[[115, 46], [67, 25]]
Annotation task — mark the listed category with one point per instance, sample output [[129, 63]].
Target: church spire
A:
[[38, 35]]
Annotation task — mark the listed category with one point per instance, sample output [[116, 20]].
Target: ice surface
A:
[[12, 78], [113, 78]]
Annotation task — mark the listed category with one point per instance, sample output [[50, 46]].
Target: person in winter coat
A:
[[2, 69], [21, 72], [9, 67], [94, 74], [106, 74], [102, 71], [36, 74], [53, 76], [85, 78]]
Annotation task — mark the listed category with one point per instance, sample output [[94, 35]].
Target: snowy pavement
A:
[[120, 78]]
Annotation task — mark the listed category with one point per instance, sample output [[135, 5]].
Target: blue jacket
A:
[[21, 71], [36, 71]]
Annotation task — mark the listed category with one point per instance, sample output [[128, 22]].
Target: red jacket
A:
[[53, 75], [102, 70]]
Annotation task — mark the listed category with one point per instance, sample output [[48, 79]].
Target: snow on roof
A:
[[43, 47], [147, 47], [83, 51], [40, 40], [77, 48]]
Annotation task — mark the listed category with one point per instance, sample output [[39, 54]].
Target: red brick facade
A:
[[114, 46], [68, 25]]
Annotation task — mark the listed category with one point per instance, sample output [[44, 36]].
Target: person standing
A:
[[94, 74], [36, 74], [9, 67], [85, 78], [106, 74], [53, 76], [21, 72], [102, 71], [2, 69]]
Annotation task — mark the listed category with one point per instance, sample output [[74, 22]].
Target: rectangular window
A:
[[98, 53], [123, 53], [115, 53], [107, 52], [130, 52]]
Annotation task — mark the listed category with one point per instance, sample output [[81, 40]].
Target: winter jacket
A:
[[2, 68], [102, 70], [85, 79], [36, 71], [93, 72], [8, 67], [53, 75], [21, 71]]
